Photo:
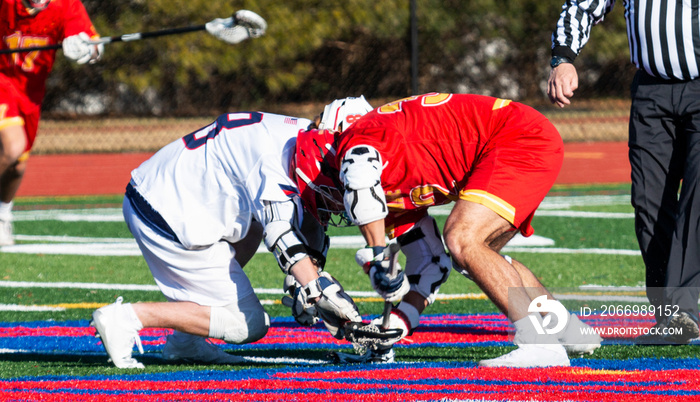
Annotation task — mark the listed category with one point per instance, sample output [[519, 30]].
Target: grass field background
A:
[[47, 351]]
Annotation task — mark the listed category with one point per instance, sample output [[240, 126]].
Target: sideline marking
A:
[[130, 249], [72, 245], [111, 246], [33, 308], [71, 215], [603, 251], [583, 214], [549, 203]]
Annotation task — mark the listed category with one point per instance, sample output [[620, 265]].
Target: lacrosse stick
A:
[[394, 249], [369, 335], [371, 342], [242, 25]]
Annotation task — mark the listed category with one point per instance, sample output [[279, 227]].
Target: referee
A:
[[664, 144]]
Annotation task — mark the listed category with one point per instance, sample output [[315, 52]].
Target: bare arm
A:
[[373, 233]]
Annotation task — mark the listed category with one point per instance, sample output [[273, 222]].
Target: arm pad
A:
[[360, 172], [282, 235]]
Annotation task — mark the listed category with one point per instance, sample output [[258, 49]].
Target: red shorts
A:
[[17, 110], [516, 171]]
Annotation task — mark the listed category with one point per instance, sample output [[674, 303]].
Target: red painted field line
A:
[[106, 174]]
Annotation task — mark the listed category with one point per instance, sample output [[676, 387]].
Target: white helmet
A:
[[341, 113]]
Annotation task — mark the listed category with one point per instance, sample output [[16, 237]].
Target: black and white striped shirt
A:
[[664, 35]]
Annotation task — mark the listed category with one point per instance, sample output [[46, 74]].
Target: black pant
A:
[[664, 149]]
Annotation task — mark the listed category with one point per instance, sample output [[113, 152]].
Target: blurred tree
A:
[[318, 50]]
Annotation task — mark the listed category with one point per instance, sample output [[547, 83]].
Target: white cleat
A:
[[118, 334], [196, 349], [579, 338], [6, 238], [531, 356]]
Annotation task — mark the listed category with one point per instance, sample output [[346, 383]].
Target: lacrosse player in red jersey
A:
[[32, 23], [495, 159], [198, 210]]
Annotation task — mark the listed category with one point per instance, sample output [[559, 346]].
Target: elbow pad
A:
[[282, 236], [361, 172]]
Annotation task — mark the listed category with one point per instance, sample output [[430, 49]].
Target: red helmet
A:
[[34, 6], [316, 175]]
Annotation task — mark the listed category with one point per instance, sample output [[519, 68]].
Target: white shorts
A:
[[209, 276]]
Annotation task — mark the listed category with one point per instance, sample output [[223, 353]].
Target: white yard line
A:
[[74, 245], [122, 248], [584, 214], [19, 307], [110, 246], [71, 215], [551, 206], [542, 250]]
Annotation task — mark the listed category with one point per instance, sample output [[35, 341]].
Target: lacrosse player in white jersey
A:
[[198, 210]]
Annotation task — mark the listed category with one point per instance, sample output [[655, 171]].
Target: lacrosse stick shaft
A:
[[393, 258], [121, 38], [386, 314], [153, 34]]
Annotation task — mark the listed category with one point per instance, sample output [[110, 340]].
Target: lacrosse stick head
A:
[[371, 337], [316, 174], [242, 25], [341, 113], [255, 24], [34, 6]]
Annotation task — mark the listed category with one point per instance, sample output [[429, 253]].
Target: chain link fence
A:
[[143, 94]]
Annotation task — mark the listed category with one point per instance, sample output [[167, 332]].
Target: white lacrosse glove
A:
[[243, 25], [336, 308], [385, 273], [81, 49], [303, 312], [324, 298]]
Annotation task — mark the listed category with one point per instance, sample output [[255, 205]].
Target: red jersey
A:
[[437, 148], [28, 71]]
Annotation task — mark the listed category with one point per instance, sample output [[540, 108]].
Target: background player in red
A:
[[494, 158], [32, 23]]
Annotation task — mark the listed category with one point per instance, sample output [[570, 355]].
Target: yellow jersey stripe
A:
[[490, 201], [500, 103], [11, 121]]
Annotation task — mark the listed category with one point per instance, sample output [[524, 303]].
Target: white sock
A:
[[411, 313], [131, 314], [6, 210], [526, 334]]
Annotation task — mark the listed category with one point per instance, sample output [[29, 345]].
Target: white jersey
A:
[[209, 184]]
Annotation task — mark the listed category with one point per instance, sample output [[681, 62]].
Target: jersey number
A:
[[16, 41], [431, 99], [226, 121]]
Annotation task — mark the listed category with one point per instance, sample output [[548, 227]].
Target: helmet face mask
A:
[[34, 6], [330, 208], [317, 178]]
